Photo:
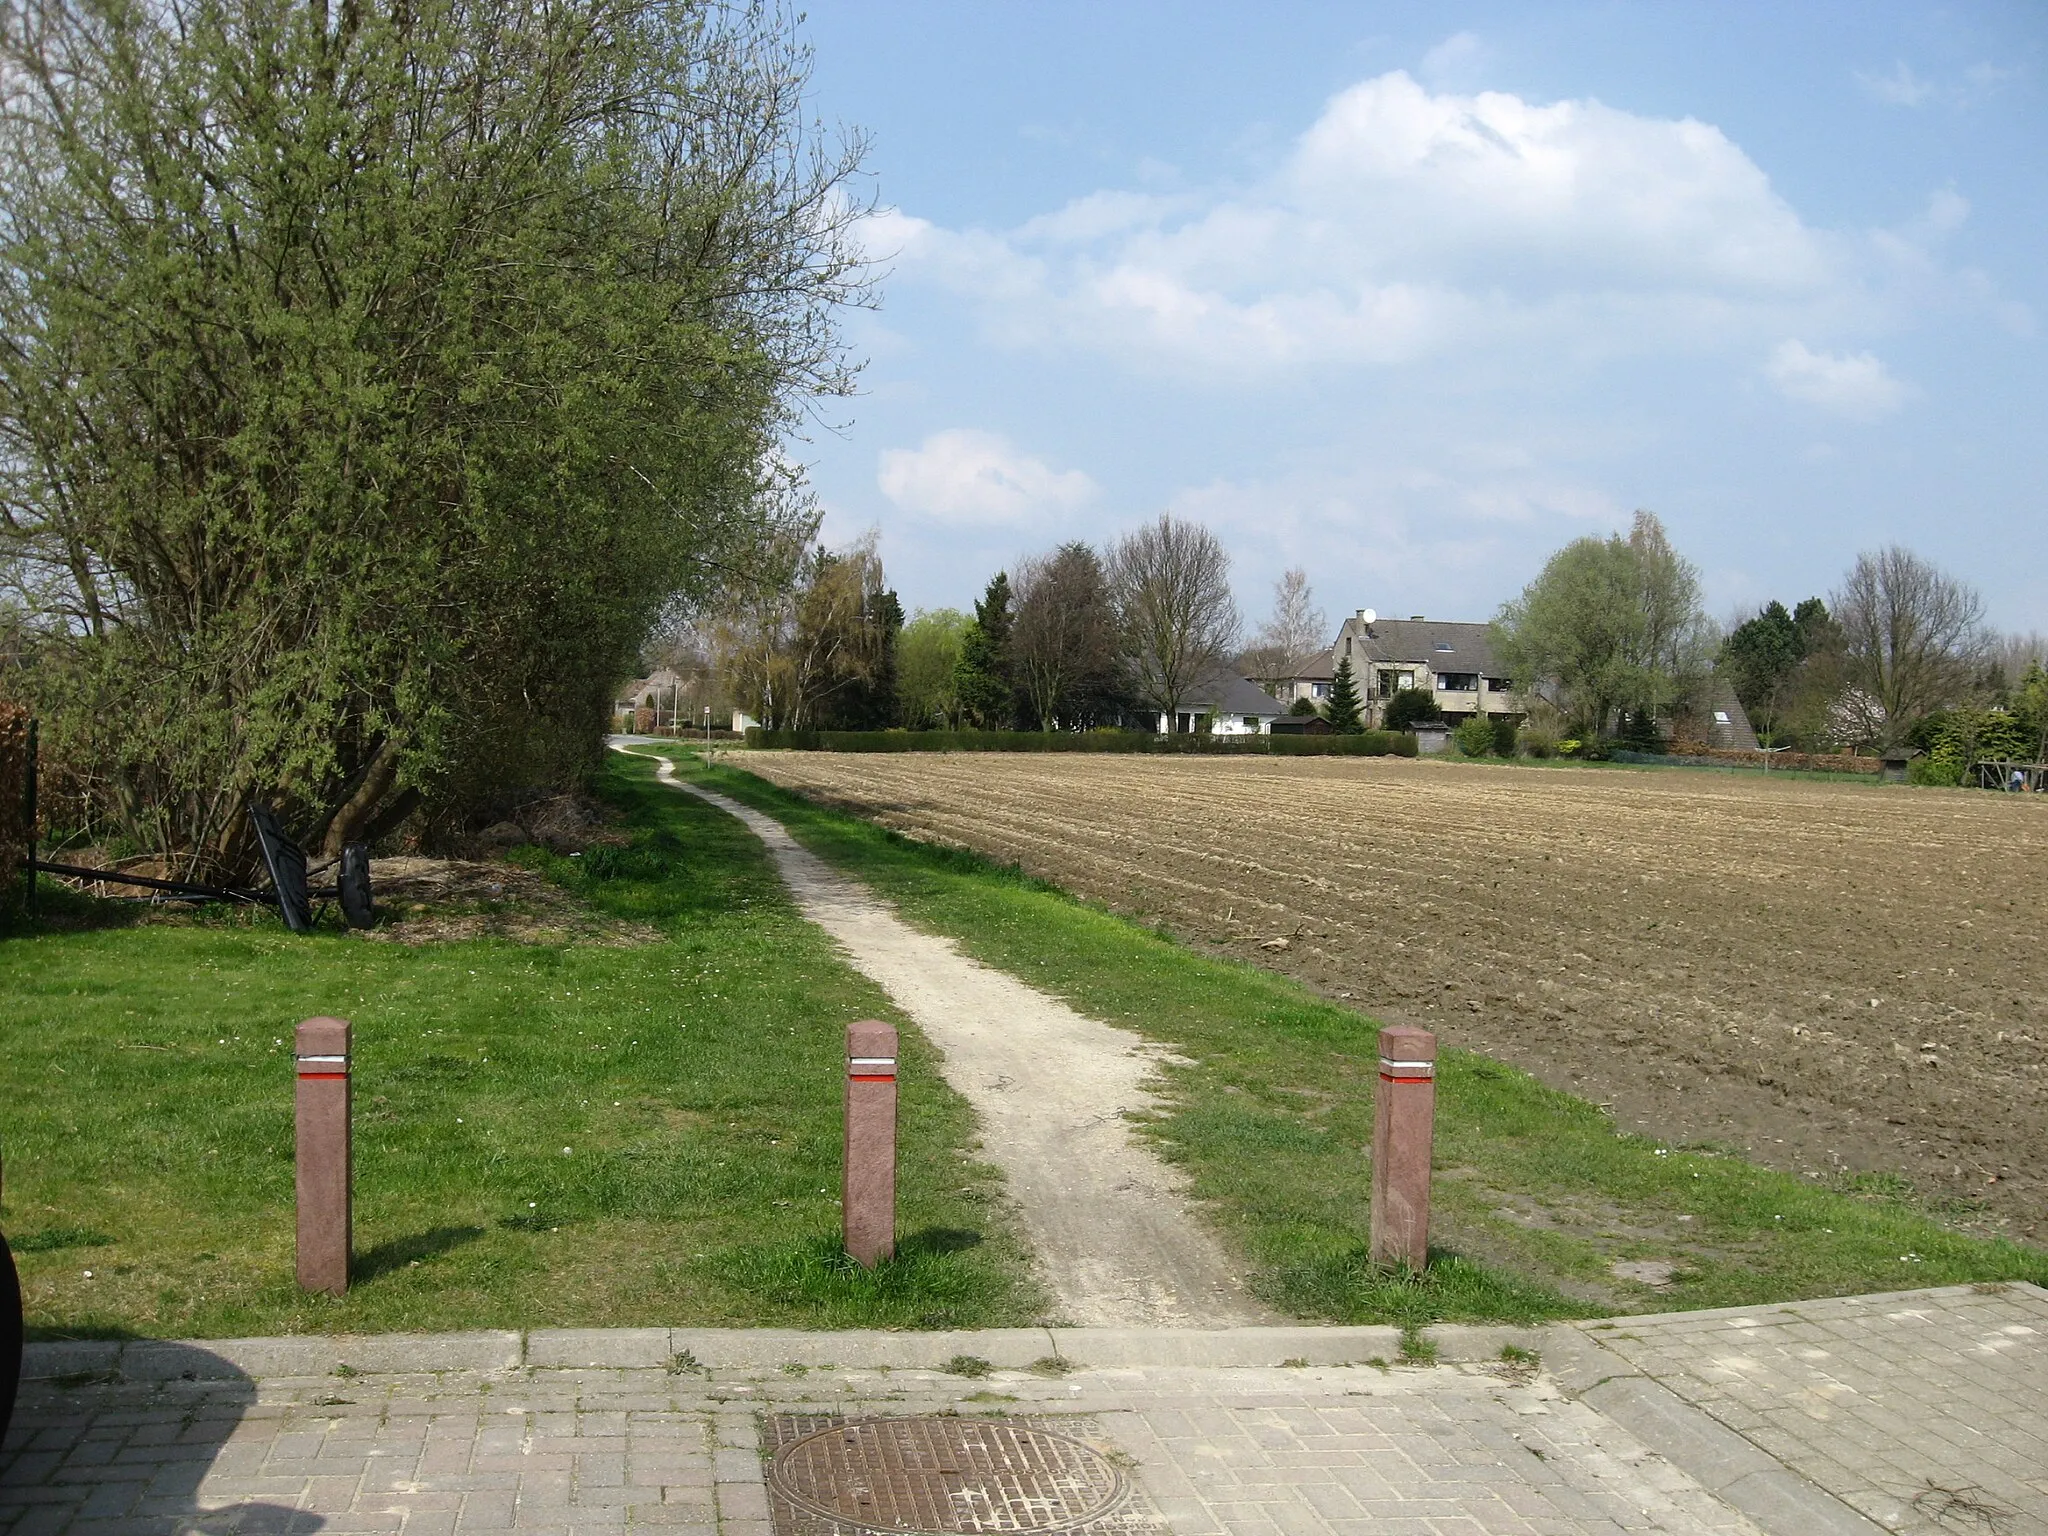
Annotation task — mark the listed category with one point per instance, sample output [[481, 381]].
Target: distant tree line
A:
[[1069, 639], [1611, 641]]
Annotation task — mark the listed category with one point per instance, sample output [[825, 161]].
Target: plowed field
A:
[[1839, 979]]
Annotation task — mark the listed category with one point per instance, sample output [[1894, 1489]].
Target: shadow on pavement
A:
[[92, 1445]]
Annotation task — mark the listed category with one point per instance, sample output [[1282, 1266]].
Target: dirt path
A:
[[1109, 1223]]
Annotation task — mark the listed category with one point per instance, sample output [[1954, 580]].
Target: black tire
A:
[[10, 1335], [353, 886]]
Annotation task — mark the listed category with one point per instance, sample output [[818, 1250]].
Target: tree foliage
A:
[[1784, 668], [927, 656], [1063, 646], [1345, 710], [1178, 620], [1410, 707], [1912, 643], [1611, 625], [984, 681], [1291, 637], [374, 375]]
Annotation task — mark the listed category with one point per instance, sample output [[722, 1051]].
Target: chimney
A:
[[1414, 618]]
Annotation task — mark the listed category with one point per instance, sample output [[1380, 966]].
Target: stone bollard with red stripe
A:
[[1404, 1129], [868, 1185], [324, 1171]]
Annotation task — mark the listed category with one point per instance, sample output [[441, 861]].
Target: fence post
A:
[[1404, 1128], [868, 1184], [324, 1163]]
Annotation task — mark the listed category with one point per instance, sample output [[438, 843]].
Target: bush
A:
[[1937, 772], [1474, 737], [1303, 706], [1410, 707], [1367, 744], [1504, 733], [1539, 743]]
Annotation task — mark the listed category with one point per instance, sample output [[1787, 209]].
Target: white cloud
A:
[[1853, 384], [1900, 88], [1903, 88], [1404, 223], [968, 478]]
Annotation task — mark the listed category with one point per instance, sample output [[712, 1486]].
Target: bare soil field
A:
[[1841, 980]]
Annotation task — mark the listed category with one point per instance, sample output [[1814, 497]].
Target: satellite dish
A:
[[1367, 616]]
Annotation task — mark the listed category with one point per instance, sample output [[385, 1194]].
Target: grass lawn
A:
[[1537, 1195], [545, 1136]]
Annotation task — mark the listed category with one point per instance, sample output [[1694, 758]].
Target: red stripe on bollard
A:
[[325, 1171], [1403, 1133], [868, 1184]]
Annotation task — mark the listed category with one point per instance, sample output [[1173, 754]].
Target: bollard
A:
[[1404, 1128], [868, 1185], [324, 1172]]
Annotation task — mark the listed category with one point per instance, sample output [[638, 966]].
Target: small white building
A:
[[1233, 705]]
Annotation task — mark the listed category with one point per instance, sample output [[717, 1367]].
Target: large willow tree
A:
[[372, 375]]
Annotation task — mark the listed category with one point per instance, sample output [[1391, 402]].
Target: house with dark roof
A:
[[1453, 661], [1311, 680], [1234, 706]]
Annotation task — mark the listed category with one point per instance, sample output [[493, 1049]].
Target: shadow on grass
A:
[[403, 1251]]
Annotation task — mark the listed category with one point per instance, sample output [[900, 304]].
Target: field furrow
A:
[[1833, 977]]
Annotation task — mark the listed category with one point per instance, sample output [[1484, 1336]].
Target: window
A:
[[1443, 645], [1721, 717], [1457, 682], [1251, 722], [1322, 690], [1407, 679], [1499, 684]]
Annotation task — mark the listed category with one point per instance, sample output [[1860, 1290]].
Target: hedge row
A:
[[1370, 744], [1721, 757]]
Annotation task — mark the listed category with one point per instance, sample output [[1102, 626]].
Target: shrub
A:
[[1474, 737], [1303, 706], [1539, 743], [1504, 733], [1410, 707], [1938, 772]]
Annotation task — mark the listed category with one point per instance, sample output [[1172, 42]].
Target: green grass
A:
[[1536, 1193], [545, 1136]]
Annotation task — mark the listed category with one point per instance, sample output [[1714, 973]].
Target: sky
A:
[[1411, 295]]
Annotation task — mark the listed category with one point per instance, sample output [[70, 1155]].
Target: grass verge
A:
[[1538, 1197], [546, 1135]]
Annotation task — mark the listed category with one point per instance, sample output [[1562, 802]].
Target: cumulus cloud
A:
[[1403, 223], [968, 478], [1852, 384]]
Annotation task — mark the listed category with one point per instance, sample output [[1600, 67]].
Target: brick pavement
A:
[[654, 1428], [1926, 1411]]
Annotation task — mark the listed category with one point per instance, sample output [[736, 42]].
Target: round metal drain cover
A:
[[947, 1475]]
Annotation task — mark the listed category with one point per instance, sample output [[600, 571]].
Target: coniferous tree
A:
[[988, 693], [1343, 711]]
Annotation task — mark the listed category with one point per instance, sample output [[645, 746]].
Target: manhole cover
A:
[[946, 1475]]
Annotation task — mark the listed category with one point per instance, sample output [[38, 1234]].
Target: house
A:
[[1235, 706], [1453, 661], [1311, 680], [658, 691], [1722, 721]]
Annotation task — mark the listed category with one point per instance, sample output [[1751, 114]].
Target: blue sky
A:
[[1411, 295]]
